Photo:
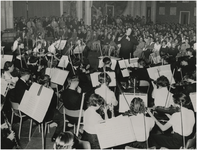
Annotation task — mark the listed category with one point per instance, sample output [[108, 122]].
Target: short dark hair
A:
[[7, 65], [24, 72], [182, 99], [104, 77], [106, 60], [162, 81]]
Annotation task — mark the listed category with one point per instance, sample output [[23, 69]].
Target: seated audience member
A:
[[164, 50], [8, 69], [104, 91], [182, 123], [139, 120], [161, 95], [92, 118], [21, 86], [139, 48], [52, 113], [72, 97], [67, 140]]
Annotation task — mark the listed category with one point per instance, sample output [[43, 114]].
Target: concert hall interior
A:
[[98, 74]]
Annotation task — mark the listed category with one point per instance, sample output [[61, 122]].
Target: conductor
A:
[[127, 44]]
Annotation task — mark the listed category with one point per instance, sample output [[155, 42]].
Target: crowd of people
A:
[[36, 48]]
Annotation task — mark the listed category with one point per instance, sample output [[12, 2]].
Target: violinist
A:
[[7, 136], [182, 123], [21, 86], [104, 91], [19, 62], [106, 65], [161, 95], [139, 122], [188, 64]]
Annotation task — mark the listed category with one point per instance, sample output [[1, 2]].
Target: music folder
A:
[[35, 101]]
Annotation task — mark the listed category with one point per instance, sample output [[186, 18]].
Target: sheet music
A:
[[35, 105], [125, 73], [125, 63], [4, 86], [115, 131], [155, 72], [95, 82], [57, 76], [113, 66], [5, 58], [79, 49], [193, 99], [123, 105], [60, 44], [63, 61]]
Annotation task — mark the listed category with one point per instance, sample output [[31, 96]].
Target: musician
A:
[[8, 69], [52, 113], [92, 118], [182, 123], [139, 122], [15, 44], [19, 61], [188, 65], [127, 44], [72, 97], [7, 137], [161, 95], [104, 91], [106, 65], [68, 140], [37, 50], [21, 86]]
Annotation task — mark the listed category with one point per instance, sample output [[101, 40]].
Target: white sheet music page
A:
[[57, 76], [125, 73], [123, 105], [115, 131], [155, 72], [63, 61], [4, 86], [35, 105], [5, 58]]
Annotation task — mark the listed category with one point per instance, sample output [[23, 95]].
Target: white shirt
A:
[[8, 77], [139, 126], [106, 94], [15, 45], [188, 121], [157, 47], [91, 119], [160, 96]]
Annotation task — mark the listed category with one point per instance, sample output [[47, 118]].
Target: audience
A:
[[123, 37]]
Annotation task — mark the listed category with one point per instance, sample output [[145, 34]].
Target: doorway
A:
[[184, 17]]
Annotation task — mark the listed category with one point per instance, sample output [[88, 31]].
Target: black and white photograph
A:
[[98, 74]]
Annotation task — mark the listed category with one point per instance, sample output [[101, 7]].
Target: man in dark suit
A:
[[21, 86], [127, 45]]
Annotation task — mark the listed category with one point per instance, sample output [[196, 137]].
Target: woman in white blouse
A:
[[8, 69], [182, 123], [92, 118]]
